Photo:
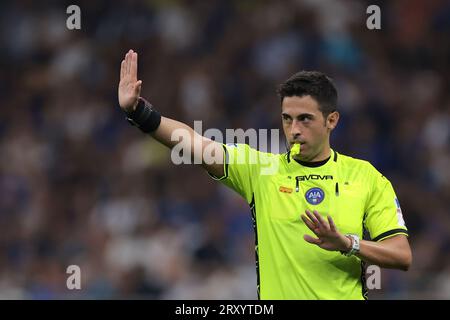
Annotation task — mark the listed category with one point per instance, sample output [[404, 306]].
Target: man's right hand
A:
[[129, 92], [129, 86]]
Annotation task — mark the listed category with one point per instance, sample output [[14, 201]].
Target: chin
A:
[[305, 156], [302, 156]]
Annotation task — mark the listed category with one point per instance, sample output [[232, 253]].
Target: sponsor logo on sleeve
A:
[[401, 221]]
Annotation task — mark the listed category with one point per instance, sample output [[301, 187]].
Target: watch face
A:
[[356, 243]]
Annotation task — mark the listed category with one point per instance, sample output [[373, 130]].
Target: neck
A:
[[324, 154]]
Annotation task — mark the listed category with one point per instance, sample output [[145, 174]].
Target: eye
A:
[[305, 118], [286, 118]]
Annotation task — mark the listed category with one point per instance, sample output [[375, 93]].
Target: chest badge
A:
[[314, 196]]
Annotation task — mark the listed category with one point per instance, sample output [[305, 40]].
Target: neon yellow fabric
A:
[[352, 191]]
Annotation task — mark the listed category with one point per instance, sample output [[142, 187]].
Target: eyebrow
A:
[[301, 115]]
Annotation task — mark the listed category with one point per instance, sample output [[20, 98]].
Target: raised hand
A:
[[328, 237], [129, 87]]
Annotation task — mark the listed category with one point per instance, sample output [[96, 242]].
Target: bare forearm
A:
[[166, 129], [386, 254], [172, 132]]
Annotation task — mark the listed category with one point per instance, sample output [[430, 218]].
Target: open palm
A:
[[129, 86], [328, 237]]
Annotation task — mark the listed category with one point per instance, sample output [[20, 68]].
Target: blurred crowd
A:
[[80, 186]]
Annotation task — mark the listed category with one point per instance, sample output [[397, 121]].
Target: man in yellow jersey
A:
[[311, 212]]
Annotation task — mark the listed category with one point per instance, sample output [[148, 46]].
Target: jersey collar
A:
[[296, 163]]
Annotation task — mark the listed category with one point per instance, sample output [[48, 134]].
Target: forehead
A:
[[297, 105]]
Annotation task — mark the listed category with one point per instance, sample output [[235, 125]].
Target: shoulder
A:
[[364, 172], [244, 153], [360, 166], [346, 160]]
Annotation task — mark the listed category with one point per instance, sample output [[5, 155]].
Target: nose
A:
[[296, 129]]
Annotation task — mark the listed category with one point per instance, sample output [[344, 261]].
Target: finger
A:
[[332, 225], [312, 240], [127, 63], [323, 225], [130, 61], [134, 66], [137, 87], [312, 218], [309, 223], [122, 70]]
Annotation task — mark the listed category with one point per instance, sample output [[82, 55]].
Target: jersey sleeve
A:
[[384, 217], [240, 167]]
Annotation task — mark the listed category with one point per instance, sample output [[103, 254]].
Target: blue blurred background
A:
[[79, 186]]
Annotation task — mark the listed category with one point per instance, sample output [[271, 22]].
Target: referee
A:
[[329, 199]]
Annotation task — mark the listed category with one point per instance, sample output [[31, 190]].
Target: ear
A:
[[332, 120]]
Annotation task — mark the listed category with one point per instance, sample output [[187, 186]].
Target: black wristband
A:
[[144, 116]]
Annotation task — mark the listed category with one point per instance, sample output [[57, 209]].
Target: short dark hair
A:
[[313, 83]]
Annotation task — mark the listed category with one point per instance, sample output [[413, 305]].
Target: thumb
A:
[[312, 240], [137, 87]]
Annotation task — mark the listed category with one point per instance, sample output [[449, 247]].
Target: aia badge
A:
[[314, 196]]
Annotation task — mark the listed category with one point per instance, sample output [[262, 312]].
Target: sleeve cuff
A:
[[390, 233], [225, 166]]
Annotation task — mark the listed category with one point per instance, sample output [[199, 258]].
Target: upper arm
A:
[[384, 218], [400, 244], [240, 169], [180, 137], [214, 157], [399, 241]]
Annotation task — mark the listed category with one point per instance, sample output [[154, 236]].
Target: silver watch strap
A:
[[355, 245]]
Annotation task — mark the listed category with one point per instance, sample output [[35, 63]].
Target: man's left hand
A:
[[328, 237]]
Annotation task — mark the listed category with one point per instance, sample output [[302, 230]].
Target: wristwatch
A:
[[355, 245]]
